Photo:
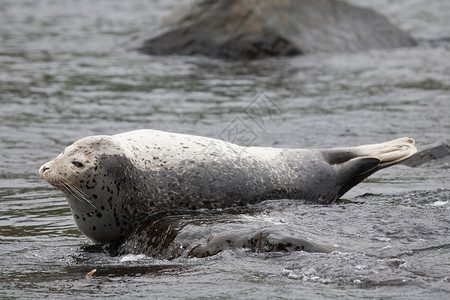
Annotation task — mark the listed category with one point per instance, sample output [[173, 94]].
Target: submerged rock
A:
[[242, 29], [204, 235]]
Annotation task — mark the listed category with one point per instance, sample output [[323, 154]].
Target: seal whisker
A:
[[77, 192], [81, 194], [63, 188], [68, 189]]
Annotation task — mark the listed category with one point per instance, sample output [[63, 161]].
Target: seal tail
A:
[[353, 165]]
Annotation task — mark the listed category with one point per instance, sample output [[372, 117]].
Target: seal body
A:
[[113, 183]]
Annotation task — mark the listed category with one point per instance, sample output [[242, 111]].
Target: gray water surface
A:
[[65, 73]]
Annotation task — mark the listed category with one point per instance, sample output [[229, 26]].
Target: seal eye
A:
[[77, 164]]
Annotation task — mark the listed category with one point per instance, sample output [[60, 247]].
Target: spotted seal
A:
[[113, 183]]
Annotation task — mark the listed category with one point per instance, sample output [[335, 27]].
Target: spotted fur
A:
[[113, 183]]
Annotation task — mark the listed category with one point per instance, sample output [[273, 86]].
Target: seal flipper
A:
[[390, 153], [355, 170], [365, 160]]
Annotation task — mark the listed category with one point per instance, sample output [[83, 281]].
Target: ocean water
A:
[[66, 73]]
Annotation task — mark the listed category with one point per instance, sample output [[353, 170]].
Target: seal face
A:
[[89, 189], [113, 183]]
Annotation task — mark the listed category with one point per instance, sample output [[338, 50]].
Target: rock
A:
[[245, 29], [204, 234], [435, 151]]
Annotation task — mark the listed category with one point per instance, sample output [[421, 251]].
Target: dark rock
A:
[[435, 151], [205, 234], [242, 29]]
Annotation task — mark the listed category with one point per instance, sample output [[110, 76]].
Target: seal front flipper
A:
[[353, 165]]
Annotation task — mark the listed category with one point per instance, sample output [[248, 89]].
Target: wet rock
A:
[[203, 235], [244, 29], [432, 152], [257, 241]]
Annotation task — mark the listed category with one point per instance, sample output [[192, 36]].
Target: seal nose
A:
[[45, 169]]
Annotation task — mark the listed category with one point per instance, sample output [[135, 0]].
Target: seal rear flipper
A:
[[355, 170], [369, 159], [390, 153]]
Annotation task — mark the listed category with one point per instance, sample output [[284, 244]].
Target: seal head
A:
[[91, 193]]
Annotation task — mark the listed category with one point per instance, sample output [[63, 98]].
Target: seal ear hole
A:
[[77, 164]]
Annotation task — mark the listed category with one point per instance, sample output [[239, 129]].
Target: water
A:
[[65, 74]]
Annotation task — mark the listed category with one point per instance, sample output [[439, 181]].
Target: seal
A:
[[113, 183]]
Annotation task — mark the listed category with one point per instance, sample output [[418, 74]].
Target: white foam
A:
[[132, 257], [440, 203]]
